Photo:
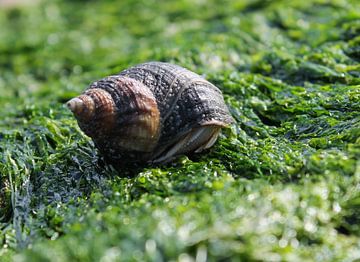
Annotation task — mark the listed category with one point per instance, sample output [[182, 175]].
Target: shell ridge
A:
[[174, 101], [156, 88]]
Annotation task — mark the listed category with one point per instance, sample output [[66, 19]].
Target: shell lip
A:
[[216, 123]]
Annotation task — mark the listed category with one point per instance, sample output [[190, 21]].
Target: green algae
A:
[[280, 184]]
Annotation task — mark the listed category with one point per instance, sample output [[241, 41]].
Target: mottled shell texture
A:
[[150, 113]]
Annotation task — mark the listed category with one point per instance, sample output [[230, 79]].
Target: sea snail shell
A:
[[150, 113]]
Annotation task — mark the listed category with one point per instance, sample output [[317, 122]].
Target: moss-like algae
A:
[[280, 184]]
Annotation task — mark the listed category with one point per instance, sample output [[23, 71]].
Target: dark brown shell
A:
[[175, 103]]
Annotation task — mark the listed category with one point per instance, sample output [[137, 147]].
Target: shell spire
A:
[[120, 114], [83, 107], [76, 105]]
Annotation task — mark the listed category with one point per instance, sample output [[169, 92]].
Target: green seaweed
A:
[[282, 183]]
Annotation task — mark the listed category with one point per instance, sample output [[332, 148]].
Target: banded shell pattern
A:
[[151, 112]]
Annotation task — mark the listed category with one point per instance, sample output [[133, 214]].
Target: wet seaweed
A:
[[281, 183]]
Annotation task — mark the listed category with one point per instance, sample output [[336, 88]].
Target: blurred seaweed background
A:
[[282, 184]]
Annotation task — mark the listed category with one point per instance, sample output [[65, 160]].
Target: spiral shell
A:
[[151, 112]]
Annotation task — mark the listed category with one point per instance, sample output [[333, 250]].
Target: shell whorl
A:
[[125, 116], [82, 107], [185, 99]]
